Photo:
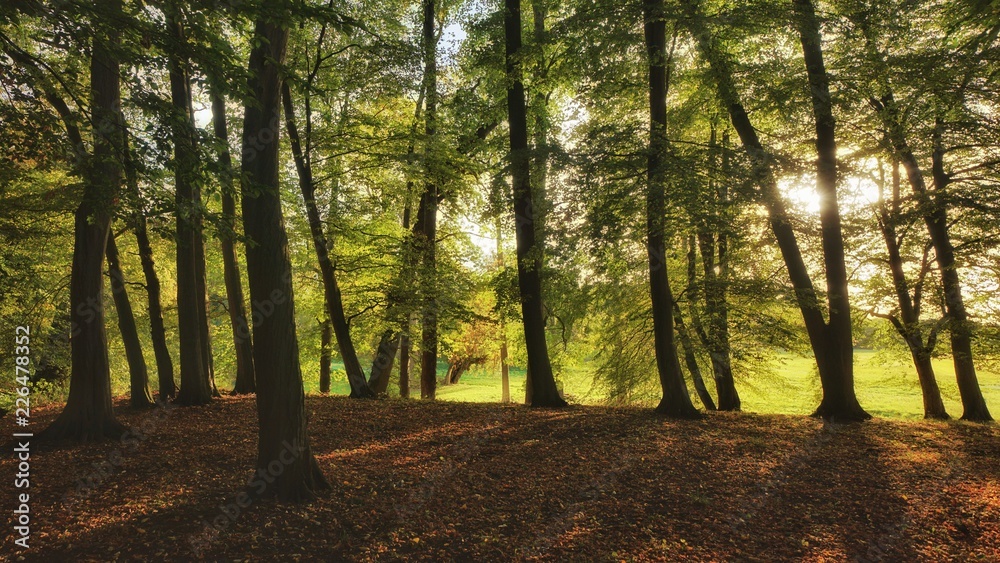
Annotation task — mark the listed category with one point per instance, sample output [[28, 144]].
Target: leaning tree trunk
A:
[[283, 440], [936, 219], [675, 401], [691, 360], [196, 388], [158, 333], [839, 399], [139, 395], [544, 391], [842, 404], [89, 413], [385, 356], [242, 337], [908, 323], [334, 302]]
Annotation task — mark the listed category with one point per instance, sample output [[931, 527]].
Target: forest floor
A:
[[452, 481]]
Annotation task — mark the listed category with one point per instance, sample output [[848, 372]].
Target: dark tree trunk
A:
[[504, 368], [908, 325], [325, 356], [716, 307], [334, 302], [385, 356], [842, 404], [242, 337], [139, 394], [839, 399], [89, 413], [283, 440], [691, 360], [196, 385], [426, 227], [935, 217], [675, 401], [158, 333], [543, 385], [404, 363], [207, 358]]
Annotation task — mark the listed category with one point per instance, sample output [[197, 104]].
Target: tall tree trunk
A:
[[89, 413], [334, 302], [842, 403], [242, 337], [908, 325], [935, 217], [427, 214], [196, 385], [158, 333], [404, 363], [544, 392], [838, 382], [283, 440], [675, 401], [325, 355], [716, 307], [139, 396], [504, 368]]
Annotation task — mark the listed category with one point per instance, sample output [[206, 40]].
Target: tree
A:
[[242, 336], [544, 391], [192, 320], [89, 414], [280, 396], [830, 343], [139, 395], [675, 400]]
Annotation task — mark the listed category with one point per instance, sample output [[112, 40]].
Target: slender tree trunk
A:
[[158, 333], [404, 363], [427, 214], [334, 302], [325, 356], [935, 217], [196, 386], [544, 392], [675, 401], [716, 307], [908, 326], [89, 413], [242, 337], [839, 398], [139, 396], [283, 440], [842, 404], [691, 361], [504, 368]]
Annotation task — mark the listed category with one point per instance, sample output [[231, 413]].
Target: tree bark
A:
[[385, 356], [842, 404], [139, 394], [325, 356], [935, 217], [242, 336], [334, 302], [283, 452], [544, 392], [675, 400], [908, 326], [89, 413], [839, 399], [196, 385], [427, 214], [691, 360], [404, 364]]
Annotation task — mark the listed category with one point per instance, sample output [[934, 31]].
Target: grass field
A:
[[886, 387]]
